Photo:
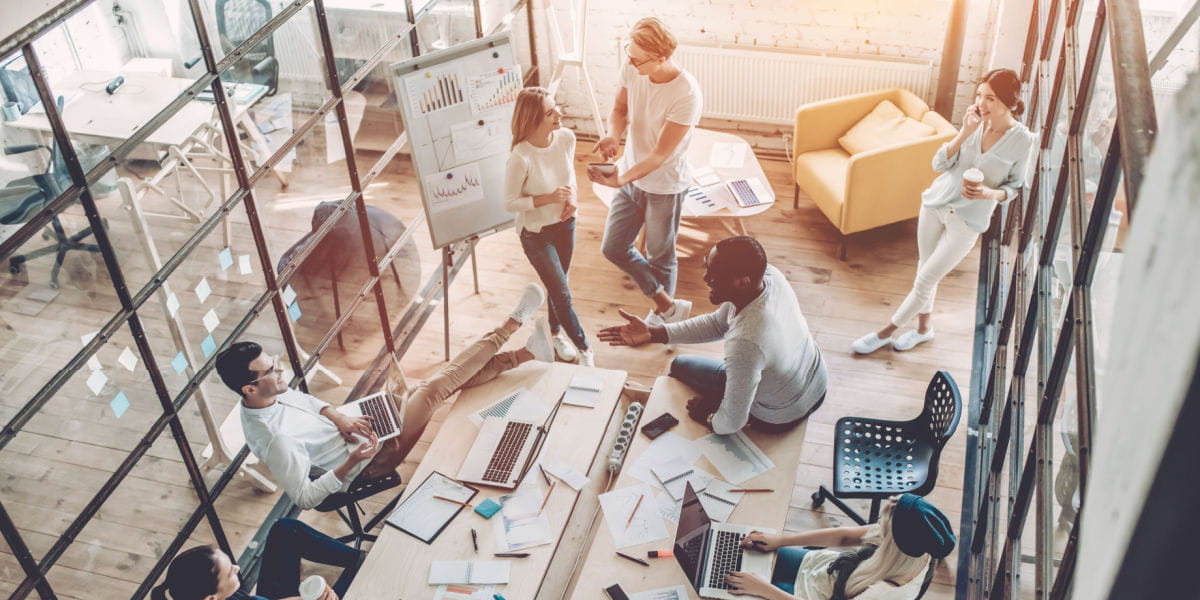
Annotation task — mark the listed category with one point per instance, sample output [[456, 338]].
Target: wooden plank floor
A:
[[66, 453]]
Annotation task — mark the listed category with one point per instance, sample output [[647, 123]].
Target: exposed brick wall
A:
[[902, 28]]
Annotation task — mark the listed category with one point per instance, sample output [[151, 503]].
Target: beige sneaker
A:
[[564, 347]]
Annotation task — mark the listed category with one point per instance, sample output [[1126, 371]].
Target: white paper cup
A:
[[972, 177], [312, 588]]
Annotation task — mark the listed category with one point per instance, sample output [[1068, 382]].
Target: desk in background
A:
[[602, 567], [398, 564]]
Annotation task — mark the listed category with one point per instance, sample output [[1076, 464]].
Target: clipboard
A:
[[425, 517]]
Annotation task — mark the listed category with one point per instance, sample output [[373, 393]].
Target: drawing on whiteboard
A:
[[494, 89], [453, 188], [434, 89]]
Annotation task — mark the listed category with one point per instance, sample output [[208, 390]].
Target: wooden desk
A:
[[602, 567], [398, 564]]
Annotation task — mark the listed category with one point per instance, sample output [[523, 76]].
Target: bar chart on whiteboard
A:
[[434, 90]]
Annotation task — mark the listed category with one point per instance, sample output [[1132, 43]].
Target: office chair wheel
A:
[[14, 266], [817, 499]]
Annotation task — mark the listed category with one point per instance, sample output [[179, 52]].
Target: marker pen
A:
[[660, 554]]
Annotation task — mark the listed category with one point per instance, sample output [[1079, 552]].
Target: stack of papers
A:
[[468, 571], [677, 473]]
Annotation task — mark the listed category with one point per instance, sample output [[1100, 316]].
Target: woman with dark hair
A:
[[206, 573], [983, 166]]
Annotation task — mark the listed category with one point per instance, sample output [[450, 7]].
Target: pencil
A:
[[635, 507], [752, 490], [547, 498], [452, 500]]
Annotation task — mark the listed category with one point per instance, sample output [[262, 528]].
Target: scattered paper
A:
[[669, 507], [172, 304], [211, 320], [225, 258], [179, 363], [96, 381], [662, 450], [701, 201], [288, 295], [567, 474], [521, 523], [718, 501], [244, 264], [728, 155], [735, 456], [469, 571], [119, 404], [675, 474], [208, 346], [584, 390], [677, 592], [463, 591], [202, 290], [127, 359], [519, 405], [646, 524]]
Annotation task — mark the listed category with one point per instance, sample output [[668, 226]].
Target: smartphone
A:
[[605, 169], [659, 425], [615, 592]]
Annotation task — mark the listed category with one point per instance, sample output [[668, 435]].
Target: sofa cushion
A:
[[885, 125], [822, 175]]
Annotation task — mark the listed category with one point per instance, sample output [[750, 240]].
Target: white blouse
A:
[[1005, 166], [534, 171]]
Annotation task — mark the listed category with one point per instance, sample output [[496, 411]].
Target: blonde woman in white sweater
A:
[[540, 188]]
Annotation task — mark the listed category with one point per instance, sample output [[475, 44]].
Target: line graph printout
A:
[[435, 89], [735, 456], [455, 187], [494, 88]]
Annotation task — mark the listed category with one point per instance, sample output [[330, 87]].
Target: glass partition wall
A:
[[1048, 274], [188, 174]]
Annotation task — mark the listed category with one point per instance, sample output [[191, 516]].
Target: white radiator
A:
[[766, 86]]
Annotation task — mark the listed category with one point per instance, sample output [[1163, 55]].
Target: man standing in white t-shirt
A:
[[659, 103]]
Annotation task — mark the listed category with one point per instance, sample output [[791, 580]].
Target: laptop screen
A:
[[691, 537]]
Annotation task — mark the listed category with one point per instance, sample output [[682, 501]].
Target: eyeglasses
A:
[[273, 369], [636, 64]]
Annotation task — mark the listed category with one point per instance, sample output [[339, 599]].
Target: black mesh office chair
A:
[[875, 459], [346, 504], [23, 198], [237, 20]]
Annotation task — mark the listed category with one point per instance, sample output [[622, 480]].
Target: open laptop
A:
[[387, 422], [748, 192], [504, 450], [708, 550]]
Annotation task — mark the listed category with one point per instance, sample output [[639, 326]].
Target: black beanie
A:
[[919, 528]]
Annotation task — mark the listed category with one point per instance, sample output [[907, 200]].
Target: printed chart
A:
[[633, 516], [454, 187], [434, 90], [495, 88]]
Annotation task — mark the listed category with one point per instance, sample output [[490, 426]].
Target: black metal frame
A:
[[397, 337]]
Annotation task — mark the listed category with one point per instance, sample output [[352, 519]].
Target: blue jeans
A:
[[787, 565], [659, 213], [287, 543], [549, 251], [707, 376]]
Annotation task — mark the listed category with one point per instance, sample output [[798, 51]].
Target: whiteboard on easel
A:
[[457, 106]]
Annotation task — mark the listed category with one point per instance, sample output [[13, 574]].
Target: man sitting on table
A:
[[297, 435], [773, 376]]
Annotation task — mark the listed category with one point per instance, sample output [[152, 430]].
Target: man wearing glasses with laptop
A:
[[299, 436]]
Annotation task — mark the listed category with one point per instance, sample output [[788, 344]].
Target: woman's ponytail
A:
[[1019, 109]]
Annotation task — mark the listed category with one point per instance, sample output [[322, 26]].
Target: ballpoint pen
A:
[[634, 559], [511, 554], [475, 539]]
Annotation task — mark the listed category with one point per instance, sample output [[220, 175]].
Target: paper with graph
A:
[[473, 140], [520, 405], [495, 88], [735, 456], [435, 89], [633, 516], [453, 188]]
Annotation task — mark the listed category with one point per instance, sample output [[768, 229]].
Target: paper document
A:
[[705, 176], [424, 516], [702, 201], [520, 405], [669, 507], [677, 592], [718, 501], [521, 523], [676, 474], [464, 592], [662, 450], [566, 473], [584, 390], [468, 571], [735, 456], [728, 155], [633, 516]]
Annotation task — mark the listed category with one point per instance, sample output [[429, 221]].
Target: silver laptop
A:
[[386, 420], [708, 550], [504, 450]]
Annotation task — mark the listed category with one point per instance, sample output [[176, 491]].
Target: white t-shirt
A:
[[534, 171], [651, 105], [813, 581]]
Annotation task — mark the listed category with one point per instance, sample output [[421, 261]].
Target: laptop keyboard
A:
[[499, 469], [726, 557], [377, 407], [744, 193]]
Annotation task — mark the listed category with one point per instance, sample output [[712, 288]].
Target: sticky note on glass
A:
[[87, 337], [294, 311], [225, 258], [244, 264], [179, 363], [93, 363], [208, 346], [119, 404], [288, 295], [172, 304], [127, 359], [96, 381], [203, 289], [210, 320]]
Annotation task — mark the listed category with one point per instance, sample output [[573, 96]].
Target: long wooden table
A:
[[602, 567], [398, 564]]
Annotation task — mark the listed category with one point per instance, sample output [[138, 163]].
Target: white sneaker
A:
[[564, 347], [586, 358], [531, 300], [680, 310], [910, 339], [869, 343], [539, 342]]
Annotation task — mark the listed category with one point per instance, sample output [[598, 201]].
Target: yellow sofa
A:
[[869, 189]]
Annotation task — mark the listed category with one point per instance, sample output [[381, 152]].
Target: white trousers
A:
[[943, 240]]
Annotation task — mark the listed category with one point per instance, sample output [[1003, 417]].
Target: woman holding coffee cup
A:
[[983, 166]]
